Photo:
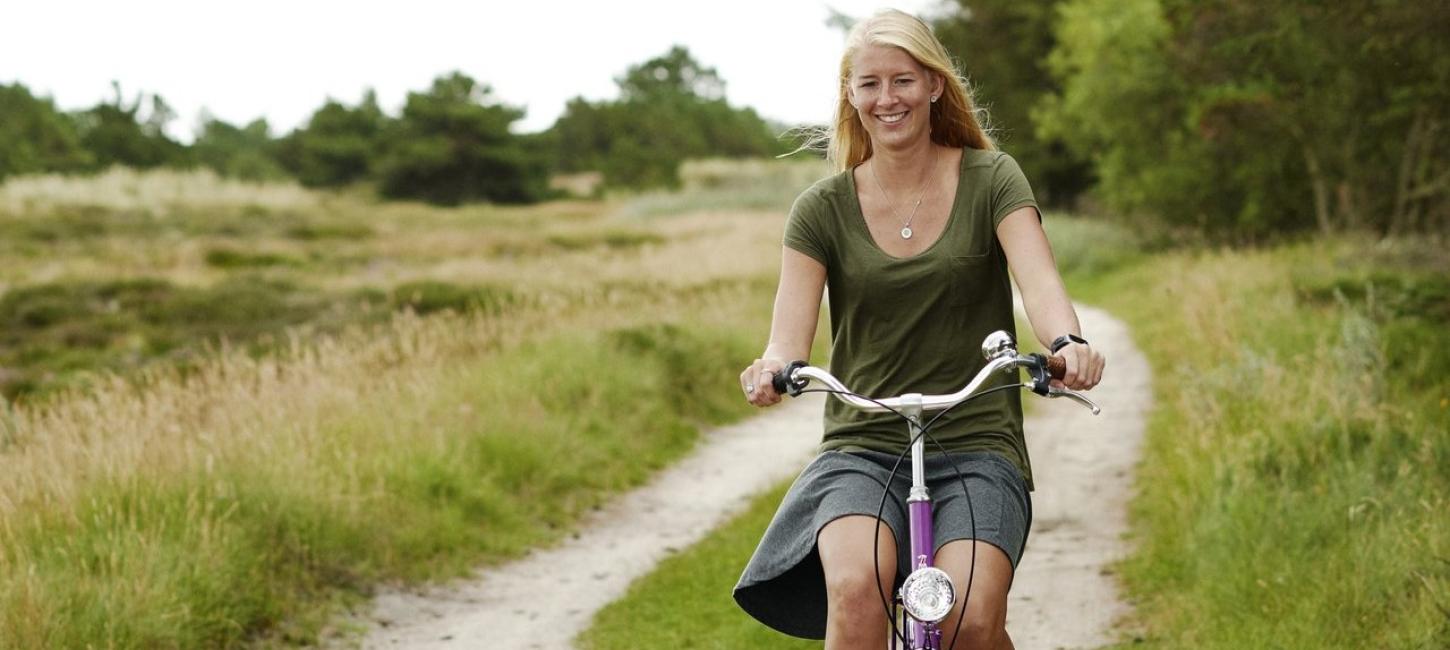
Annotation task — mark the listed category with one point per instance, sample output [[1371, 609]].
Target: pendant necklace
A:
[[906, 225]]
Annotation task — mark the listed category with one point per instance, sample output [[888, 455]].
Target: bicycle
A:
[[927, 594]]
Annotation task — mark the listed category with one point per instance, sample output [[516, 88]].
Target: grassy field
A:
[[240, 407], [1297, 473], [1298, 466]]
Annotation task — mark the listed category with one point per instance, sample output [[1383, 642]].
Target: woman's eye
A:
[[903, 82], [867, 84]]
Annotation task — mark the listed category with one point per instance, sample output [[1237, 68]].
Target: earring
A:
[[933, 99]]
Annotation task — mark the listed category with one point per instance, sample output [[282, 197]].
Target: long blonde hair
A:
[[954, 117]]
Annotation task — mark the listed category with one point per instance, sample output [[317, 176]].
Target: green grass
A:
[[686, 602], [242, 408], [505, 456], [1297, 467]]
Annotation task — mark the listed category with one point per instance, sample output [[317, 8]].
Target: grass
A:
[[236, 447], [1298, 456], [163, 266], [713, 186], [685, 602], [1297, 467]]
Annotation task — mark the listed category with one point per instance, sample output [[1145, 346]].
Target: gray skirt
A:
[[784, 585]]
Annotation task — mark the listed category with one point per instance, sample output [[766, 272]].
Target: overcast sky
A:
[[281, 60]]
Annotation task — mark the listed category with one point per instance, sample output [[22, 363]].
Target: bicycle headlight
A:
[[928, 594]]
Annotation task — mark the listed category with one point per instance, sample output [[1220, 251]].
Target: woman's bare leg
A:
[[986, 624], [855, 618]]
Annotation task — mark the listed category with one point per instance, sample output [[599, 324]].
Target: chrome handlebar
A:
[[1000, 351]]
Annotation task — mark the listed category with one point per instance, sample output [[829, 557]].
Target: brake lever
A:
[[1075, 396]]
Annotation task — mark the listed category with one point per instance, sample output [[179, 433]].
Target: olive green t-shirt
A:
[[916, 324]]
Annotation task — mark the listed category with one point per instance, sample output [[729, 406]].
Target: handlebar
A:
[[1000, 351]]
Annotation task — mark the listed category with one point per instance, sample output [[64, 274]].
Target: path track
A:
[[1064, 595]]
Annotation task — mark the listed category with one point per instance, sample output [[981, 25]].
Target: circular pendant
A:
[[906, 233]]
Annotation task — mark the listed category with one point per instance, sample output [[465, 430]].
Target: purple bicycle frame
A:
[[922, 636]]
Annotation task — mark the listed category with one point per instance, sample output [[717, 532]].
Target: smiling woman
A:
[[912, 240]]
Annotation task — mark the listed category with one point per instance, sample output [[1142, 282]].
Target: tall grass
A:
[[1297, 472], [238, 499], [207, 509]]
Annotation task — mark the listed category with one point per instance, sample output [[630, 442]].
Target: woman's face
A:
[[892, 95]]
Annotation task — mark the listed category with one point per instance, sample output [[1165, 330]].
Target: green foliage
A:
[[35, 137], [428, 296], [116, 133], [1243, 119], [1296, 458], [453, 145], [231, 258], [245, 153], [670, 108], [1002, 46], [339, 145]]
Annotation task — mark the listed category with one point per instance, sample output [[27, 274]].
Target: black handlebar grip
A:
[[782, 383]]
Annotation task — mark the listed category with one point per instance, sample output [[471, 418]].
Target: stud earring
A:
[[933, 99]]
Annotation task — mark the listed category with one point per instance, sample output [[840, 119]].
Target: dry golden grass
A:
[[323, 414], [127, 190]]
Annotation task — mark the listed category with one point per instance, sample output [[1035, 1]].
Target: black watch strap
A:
[[1062, 341]]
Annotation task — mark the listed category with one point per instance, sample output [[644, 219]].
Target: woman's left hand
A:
[[1084, 366]]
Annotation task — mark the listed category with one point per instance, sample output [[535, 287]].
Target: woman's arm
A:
[[1029, 256], [792, 327]]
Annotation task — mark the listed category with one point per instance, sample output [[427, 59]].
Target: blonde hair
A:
[[954, 117]]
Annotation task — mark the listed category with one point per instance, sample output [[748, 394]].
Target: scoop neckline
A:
[[866, 230]]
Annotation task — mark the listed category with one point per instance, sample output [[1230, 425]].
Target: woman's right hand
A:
[[755, 381]]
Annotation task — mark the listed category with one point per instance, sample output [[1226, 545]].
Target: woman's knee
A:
[[857, 592], [854, 581]]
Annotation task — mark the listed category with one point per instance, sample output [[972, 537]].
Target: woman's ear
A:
[[938, 84]]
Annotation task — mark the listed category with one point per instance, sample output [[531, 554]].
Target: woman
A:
[[913, 239]]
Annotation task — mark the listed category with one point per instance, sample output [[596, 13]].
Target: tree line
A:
[[449, 144], [1239, 119]]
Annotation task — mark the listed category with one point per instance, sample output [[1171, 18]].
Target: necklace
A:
[[906, 225]]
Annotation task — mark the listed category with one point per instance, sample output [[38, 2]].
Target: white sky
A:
[[281, 60]]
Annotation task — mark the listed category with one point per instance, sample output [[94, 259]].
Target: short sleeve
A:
[[804, 231], [1010, 190]]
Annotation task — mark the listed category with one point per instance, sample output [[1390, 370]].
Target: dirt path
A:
[[1063, 596], [619, 543]]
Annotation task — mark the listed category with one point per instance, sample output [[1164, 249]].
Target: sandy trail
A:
[[1063, 595], [617, 544]]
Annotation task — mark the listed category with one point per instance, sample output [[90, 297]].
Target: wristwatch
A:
[[1062, 341]]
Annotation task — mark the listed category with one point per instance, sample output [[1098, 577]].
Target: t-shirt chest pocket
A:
[[967, 275]]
